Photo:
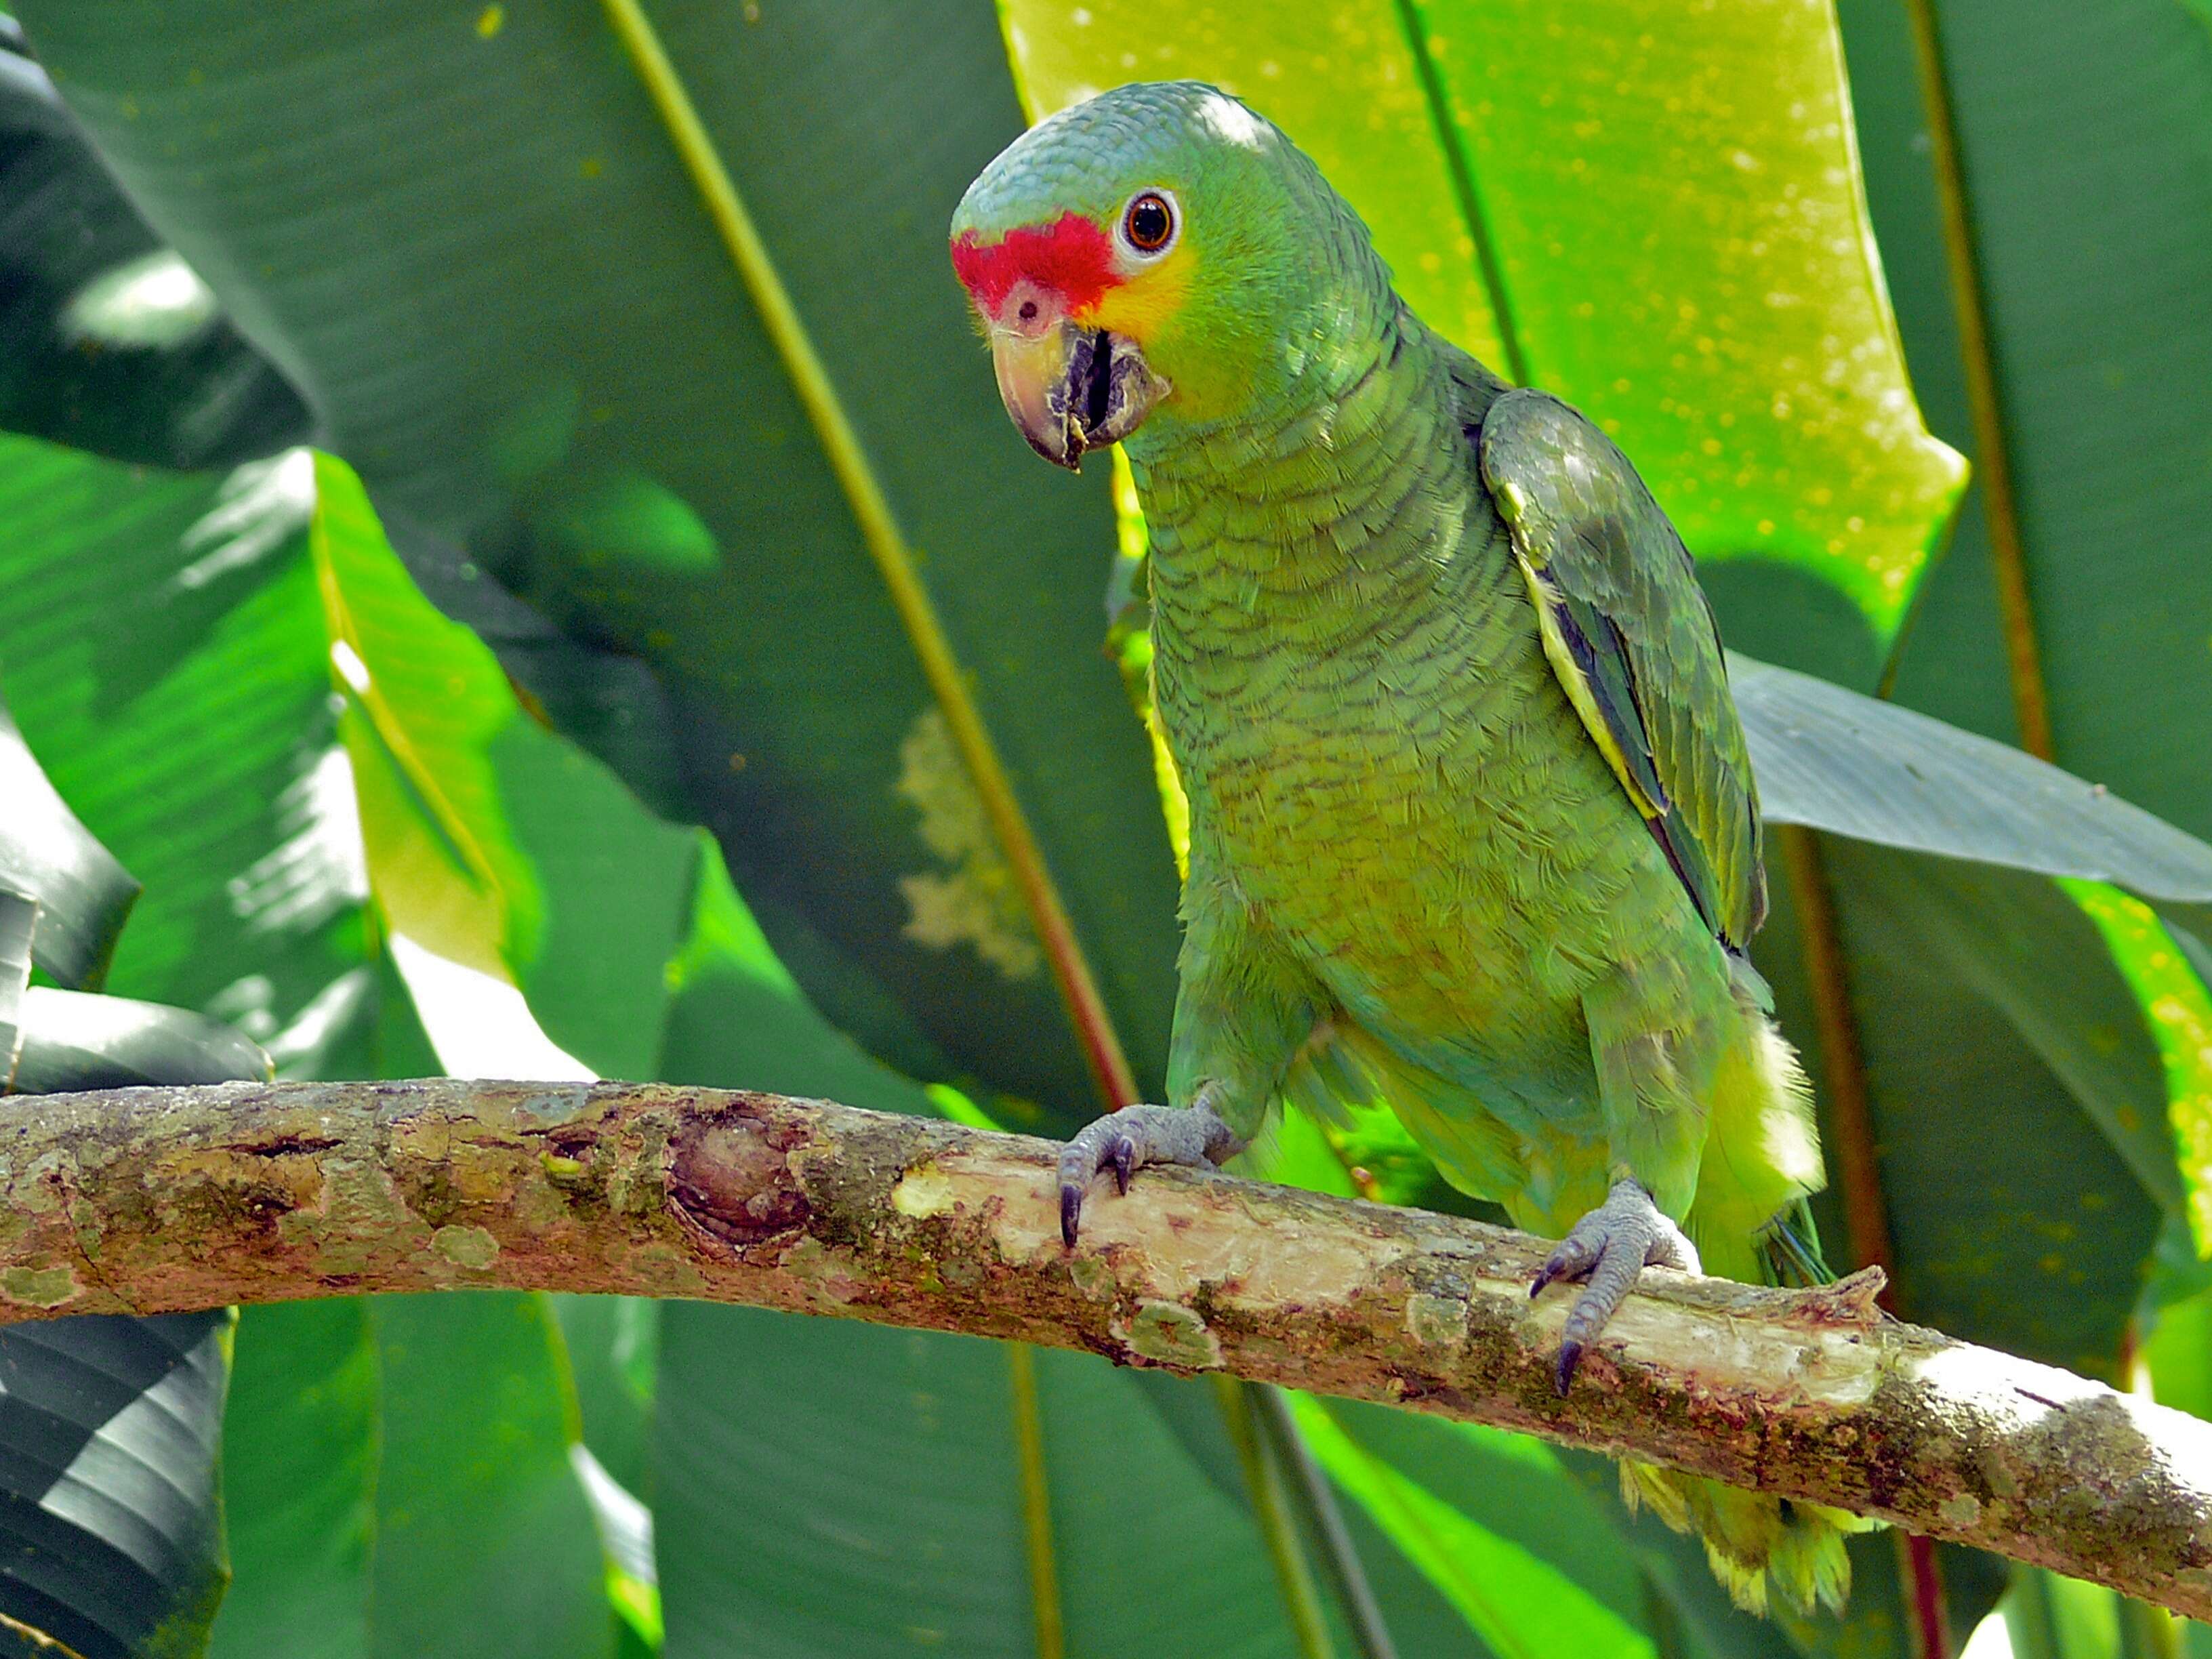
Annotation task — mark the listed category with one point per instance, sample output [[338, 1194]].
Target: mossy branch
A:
[[155, 1200]]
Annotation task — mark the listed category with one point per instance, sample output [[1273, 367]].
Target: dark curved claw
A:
[[1070, 1212], [1563, 1369], [1123, 1152]]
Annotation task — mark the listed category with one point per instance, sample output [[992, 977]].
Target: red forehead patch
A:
[[1071, 256]]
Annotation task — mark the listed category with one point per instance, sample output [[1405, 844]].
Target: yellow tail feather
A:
[[1759, 1543]]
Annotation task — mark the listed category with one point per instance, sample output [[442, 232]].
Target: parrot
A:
[[1473, 829]]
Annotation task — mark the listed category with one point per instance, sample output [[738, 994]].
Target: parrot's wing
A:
[[1629, 632]]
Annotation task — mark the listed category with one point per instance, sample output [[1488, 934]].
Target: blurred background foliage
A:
[[667, 662]]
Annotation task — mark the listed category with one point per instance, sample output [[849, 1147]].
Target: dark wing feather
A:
[[1632, 639]]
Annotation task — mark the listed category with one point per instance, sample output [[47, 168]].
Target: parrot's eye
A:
[[1148, 224]]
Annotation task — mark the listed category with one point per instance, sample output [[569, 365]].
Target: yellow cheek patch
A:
[[1141, 304]]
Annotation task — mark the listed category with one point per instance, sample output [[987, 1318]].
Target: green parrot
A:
[[1473, 829]]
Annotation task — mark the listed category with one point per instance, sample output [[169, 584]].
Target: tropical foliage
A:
[[666, 663]]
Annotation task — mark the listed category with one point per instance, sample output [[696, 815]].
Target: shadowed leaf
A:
[[108, 341]]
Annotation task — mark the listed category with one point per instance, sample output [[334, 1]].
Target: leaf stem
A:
[[1461, 167], [1866, 1215], [1843, 1069], [1924, 1585], [886, 544], [1036, 1502], [1340, 1556], [1992, 458], [1271, 1509]]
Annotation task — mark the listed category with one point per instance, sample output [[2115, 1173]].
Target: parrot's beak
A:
[[1070, 389]]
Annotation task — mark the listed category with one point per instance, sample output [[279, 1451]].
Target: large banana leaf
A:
[[195, 729], [880, 1504], [572, 386], [19, 919], [1855, 765], [2085, 171], [2043, 286], [2039, 177], [110, 1512]]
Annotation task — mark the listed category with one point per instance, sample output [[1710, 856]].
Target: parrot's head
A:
[[1150, 250]]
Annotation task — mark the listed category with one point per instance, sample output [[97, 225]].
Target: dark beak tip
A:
[[1070, 457]]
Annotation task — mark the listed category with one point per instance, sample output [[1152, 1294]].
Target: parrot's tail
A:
[[1760, 1546]]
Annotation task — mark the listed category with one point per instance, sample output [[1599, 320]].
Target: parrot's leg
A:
[[1242, 1010], [1124, 1141], [1609, 1247]]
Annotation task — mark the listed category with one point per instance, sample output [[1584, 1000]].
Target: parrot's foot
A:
[[1609, 1247], [1127, 1141]]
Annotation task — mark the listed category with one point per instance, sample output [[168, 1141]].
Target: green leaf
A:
[[2049, 1617], [1905, 785], [108, 341], [561, 412], [442, 725], [614, 1362], [1856, 766], [883, 1510], [2166, 968], [1554, 1588], [918, 1516], [484, 1545], [2080, 392], [1487, 1509], [2082, 252], [737, 1019], [48, 857], [161, 645], [1654, 212], [489, 843], [300, 1465], [403, 1486], [2023, 945], [111, 1529]]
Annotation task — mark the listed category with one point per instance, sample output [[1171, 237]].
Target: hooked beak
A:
[[1070, 389]]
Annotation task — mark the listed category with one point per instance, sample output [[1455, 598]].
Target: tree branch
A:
[[160, 1200]]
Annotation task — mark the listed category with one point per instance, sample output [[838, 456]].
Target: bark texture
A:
[[154, 1200]]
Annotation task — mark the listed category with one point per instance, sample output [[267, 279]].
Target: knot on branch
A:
[[730, 1176]]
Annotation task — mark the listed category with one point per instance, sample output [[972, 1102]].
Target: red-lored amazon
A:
[[1473, 831]]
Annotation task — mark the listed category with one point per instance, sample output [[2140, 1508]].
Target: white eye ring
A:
[[1156, 202]]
